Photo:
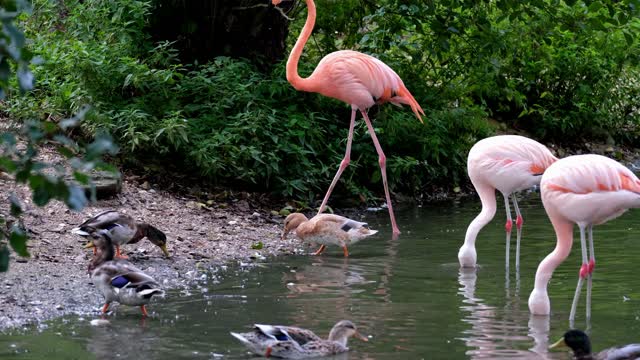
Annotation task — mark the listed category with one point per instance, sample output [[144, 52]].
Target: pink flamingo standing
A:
[[359, 80], [507, 163], [586, 190]]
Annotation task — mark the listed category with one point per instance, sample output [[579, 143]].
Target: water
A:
[[407, 294]]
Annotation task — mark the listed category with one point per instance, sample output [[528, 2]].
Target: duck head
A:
[[343, 330], [292, 222], [157, 237], [577, 341], [101, 241]]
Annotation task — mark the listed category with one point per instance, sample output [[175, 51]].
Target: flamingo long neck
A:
[[564, 234], [303, 84], [487, 196]]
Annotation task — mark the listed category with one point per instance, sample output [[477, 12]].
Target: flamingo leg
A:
[[507, 226], [343, 164], [583, 274], [382, 160], [592, 264], [320, 250], [519, 222]]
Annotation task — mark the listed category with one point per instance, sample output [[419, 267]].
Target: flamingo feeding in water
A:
[[586, 190], [507, 163], [359, 80]]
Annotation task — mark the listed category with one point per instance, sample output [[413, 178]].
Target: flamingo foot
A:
[[320, 250], [508, 226], [519, 222], [144, 310], [346, 252], [584, 271], [267, 352], [591, 266], [105, 308]]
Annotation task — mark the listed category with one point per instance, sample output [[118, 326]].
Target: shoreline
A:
[[54, 281]]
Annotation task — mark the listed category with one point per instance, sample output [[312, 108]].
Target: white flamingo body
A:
[[507, 163], [586, 190]]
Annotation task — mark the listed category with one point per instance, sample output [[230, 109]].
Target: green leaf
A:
[[16, 207], [18, 241], [4, 258]]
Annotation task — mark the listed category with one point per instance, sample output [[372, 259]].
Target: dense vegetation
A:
[[563, 70]]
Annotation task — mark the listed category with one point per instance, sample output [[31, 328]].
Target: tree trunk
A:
[[204, 29]]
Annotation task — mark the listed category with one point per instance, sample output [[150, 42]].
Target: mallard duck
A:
[[327, 229], [579, 342], [118, 280], [290, 342], [123, 229]]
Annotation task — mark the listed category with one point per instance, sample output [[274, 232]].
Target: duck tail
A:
[[148, 293]]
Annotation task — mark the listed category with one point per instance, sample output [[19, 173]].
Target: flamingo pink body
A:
[[357, 79], [586, 190], [507, 163]]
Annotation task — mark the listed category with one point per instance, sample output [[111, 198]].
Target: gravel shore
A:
[[201, 237]]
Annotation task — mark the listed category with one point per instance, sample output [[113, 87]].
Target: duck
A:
[[289, 342], [117, 279], [123, 229], [579, 342], [327, 229]]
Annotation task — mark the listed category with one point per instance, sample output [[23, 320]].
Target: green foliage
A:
[[562, 70], [12, 49], [19, 158]]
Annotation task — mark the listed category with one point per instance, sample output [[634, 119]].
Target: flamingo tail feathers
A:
[[403, 96]]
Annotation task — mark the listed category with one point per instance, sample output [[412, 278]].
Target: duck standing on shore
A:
[[327, 229], [290, 342], [117, 279], [123, 229]]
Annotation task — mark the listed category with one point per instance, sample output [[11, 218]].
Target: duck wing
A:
[[105, 220], [299, 335]]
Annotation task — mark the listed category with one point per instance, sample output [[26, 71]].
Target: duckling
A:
[[118, 280], [290, 342], [123, 229], [327, 229], [579, 342]]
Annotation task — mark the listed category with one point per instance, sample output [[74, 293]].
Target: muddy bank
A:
[[202, 238]]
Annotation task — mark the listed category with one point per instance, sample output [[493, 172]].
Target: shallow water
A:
[[407, 294]]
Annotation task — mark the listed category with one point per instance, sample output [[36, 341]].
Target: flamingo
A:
[[357, 79], [586, 190], [507, 163]]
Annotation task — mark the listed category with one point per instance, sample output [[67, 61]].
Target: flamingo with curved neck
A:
[[507, 163], [585, 190], [357, 79]]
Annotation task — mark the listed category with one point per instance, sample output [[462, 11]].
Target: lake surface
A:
[[407, 294]]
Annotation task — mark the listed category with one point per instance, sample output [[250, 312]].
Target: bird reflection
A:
[[122, 338], [494, 332]]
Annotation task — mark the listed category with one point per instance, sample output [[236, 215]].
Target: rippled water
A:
[[407, 294]]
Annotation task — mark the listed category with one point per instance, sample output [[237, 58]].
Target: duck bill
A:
[[89, 245], [165, 251], [559, 344], [361, 337]]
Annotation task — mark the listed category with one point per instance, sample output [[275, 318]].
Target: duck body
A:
[[290, 342], [327, 229], [117, 279], [123, 229]]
